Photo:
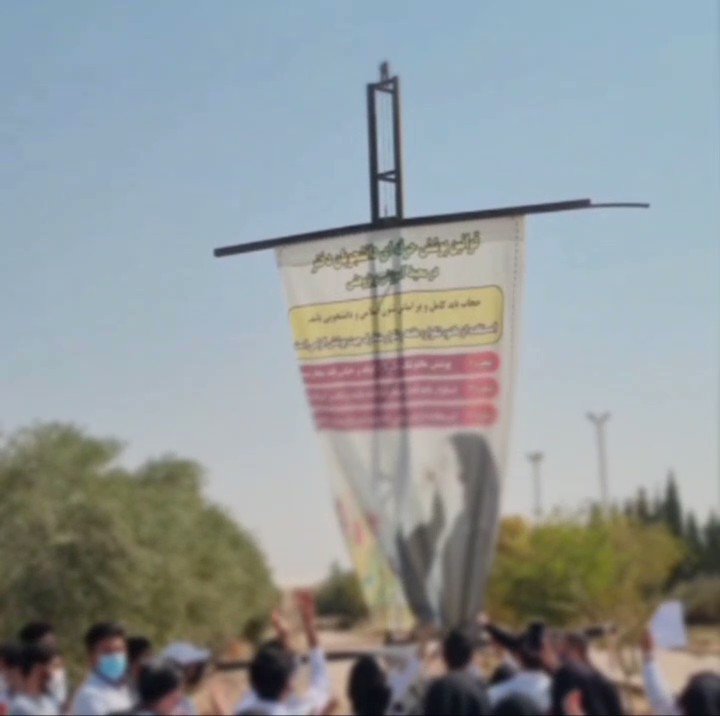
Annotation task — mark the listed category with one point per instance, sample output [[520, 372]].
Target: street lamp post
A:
[[599, 420], [535, 458]]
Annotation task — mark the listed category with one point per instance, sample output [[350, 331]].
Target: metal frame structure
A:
[[525, 209], [380, 175]]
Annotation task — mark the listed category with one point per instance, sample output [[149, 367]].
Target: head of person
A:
[[271, 672], [159, 688], [531, 647], [701, 695], [43, 634], [457, 649], [456, 694], [367, 689], [38, 633], [503, 672], [10, 667], [36, 668], [139, 652], [517, 705], [106, 646], [192, 662], [576, 648]]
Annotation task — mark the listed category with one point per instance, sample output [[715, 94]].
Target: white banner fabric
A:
[[407, 343]]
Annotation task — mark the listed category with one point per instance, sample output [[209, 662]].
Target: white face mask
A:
[[58, 686]]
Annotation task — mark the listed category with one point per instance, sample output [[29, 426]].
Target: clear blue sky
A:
[[136, 137]]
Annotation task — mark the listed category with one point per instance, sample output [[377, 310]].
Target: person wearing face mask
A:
[[58, 685], [33, 697], [105, 690], [43, 634]]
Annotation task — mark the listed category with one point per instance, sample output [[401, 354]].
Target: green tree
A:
[[82, 539], [642, 508], [672, 508], [701, 597], [694, 544], [711, 550], [657, 509], [340, 595], [567, 571]]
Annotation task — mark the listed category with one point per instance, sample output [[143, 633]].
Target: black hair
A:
[[138, 647], [270, 672], [33, 654], [367, 689], [531, 646], [517, 705], [457, 649], [503, 672], [156, 681], [701, 695], [456, 694], [11, 655], [33, 632], [101, 631], [535, 635], [529, 659]]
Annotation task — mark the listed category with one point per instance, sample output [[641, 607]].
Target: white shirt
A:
[[660, 701], [533, 684], [24, 705], [187, 708], [314, 700], [402, 680], [98, 697]]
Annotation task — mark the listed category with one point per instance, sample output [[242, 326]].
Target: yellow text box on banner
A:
[[424, 320]]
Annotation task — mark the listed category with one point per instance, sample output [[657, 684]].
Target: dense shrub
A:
[[701, 597], [340, 596], [570, 571], [82, 539]]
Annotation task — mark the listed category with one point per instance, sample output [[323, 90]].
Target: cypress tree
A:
[[711, 551], [642, 508], [672, 508]]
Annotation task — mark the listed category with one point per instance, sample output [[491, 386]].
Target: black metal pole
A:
[[380, 175], [373, 155], [521, 210], [397, 148]]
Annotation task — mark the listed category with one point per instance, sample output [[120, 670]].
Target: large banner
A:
[[382, 590], [406, 339]]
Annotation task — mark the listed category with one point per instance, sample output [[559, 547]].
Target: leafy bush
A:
[[340, 595], [567, 571], [701, 597], [82, 540]]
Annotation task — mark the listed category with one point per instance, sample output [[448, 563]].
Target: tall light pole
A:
[[535, 458], [599, 420]]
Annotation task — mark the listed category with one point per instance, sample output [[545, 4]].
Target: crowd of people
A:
[[540, 671]]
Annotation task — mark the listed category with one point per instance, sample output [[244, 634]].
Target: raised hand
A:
[[282, 630], [647, 644], [305, 601]]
